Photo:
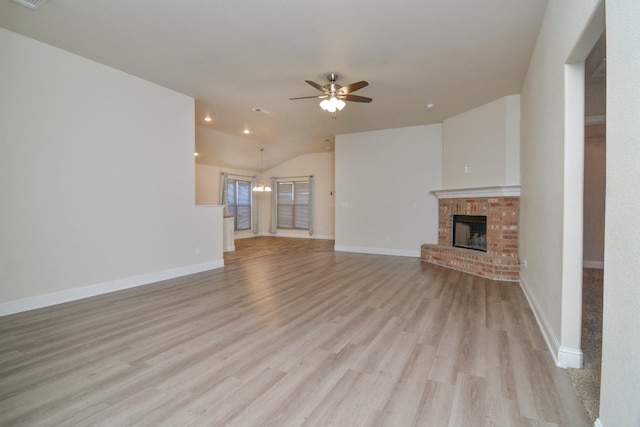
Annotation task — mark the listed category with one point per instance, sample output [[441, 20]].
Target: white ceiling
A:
[[234, 56]]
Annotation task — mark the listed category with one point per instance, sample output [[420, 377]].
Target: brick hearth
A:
[[500, 262]]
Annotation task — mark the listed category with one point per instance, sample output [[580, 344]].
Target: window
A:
[[239, 203], [293, 204]]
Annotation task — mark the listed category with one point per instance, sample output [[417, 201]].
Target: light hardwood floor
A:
[[308, 339]]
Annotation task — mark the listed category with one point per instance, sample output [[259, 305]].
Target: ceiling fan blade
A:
[[316, 85], [352, 87], [356, 98], [308, 97]]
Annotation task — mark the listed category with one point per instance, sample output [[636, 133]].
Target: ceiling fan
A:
[[334, 95]]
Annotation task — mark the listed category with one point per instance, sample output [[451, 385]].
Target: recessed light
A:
[[246, 131], [430, 105], [208, 118], [195, 154], [260, 110]]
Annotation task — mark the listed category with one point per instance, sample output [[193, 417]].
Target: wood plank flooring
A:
[[267, 245], [306, 339]]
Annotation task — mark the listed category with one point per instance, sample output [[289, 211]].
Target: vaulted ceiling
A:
[[236, 56]]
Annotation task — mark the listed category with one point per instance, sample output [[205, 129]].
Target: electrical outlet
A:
[[467, 168], [197, 250], [523, 263]]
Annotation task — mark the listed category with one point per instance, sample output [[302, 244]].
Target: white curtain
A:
[[224, 178], [273, 227], [254, 207], [311, 205]]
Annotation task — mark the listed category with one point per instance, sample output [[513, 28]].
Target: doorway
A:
[[586, 381]]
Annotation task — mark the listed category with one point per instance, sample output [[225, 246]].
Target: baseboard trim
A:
[[294, 235], [598, 423], [244, 235], [553, 344], [68, 295], [593, 264], [564, 357], [378, 251], [304, 235], [570, 357]]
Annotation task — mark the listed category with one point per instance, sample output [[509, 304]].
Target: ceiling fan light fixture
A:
[[332, 104], [325, 104], [334, 95]]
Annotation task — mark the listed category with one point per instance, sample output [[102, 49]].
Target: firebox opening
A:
[[470, 232]]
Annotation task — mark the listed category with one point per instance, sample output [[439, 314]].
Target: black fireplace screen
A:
[[470, 232]]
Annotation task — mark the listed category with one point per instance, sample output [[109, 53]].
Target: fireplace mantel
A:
[[479, 192]]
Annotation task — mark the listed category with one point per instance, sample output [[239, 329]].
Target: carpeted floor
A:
[[586, 381]]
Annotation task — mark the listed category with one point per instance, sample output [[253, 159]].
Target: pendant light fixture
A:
[[261, 187]]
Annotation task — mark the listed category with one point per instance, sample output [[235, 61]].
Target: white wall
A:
[[512, 142], [542, 169], [542, 164], [321, 166], [383, 184], [482, 146], [620, 391], [96, 179]]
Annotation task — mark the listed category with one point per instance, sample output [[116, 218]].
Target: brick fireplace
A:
[[501, 206]]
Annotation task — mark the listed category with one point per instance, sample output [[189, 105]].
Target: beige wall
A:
[[383, 184], [594, 194], [620, 392], [208, 188], [96, 177], [482, 146], [320, 165], [208, 182], [595, 99]]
